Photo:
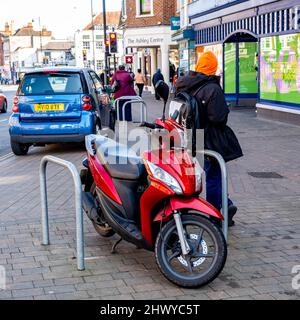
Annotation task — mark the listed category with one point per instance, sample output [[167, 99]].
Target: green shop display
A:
[[280, 68], [230, 68]]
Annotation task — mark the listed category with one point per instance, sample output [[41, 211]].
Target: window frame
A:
[[139, 14]]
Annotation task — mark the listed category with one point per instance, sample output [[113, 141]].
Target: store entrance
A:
[[241, 69]]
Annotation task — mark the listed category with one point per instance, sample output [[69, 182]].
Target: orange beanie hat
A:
[[207, 64]]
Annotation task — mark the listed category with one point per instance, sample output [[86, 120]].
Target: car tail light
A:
[[15, 107], [87, 107], [86, 99], [16, 100]]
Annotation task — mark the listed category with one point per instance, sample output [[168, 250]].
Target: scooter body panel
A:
[[103, 180], [197, 204]]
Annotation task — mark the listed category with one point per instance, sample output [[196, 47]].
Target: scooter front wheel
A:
[[207, 256]]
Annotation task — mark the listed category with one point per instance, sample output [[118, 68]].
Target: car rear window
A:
[[51, 84]]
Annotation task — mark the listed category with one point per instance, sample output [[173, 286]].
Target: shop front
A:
[[187, 51], [151, 48], [260, 58]]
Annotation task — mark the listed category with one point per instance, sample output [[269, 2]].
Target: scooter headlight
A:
[[198, 175], [163, 176]]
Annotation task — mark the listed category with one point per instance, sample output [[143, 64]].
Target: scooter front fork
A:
[[181, 234]]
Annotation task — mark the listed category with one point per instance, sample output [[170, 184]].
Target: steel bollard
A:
[[78, 202]]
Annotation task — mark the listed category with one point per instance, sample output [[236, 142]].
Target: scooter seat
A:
[[120, 161]]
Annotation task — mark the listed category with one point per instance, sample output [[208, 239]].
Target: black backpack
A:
[[193, 116]]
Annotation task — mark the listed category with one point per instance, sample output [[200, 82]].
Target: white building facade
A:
[[90, 46]]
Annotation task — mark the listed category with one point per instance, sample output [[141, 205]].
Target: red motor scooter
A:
[[155, 204]]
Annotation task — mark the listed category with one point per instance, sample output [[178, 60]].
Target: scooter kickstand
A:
[[113, 250]]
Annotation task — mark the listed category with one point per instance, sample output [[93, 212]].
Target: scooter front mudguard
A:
[[197, 204]]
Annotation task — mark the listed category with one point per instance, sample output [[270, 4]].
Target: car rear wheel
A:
[[4, 108], [19, 149]]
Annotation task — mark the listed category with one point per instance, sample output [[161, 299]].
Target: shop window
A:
[[279, 69], [99, 45], [86, 45], [100, 65], [144, 7]]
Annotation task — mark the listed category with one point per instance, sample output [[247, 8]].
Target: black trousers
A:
[[141, 88]]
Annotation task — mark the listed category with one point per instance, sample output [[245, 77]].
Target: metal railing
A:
[[224, 174], [131, 100], [78, 201]]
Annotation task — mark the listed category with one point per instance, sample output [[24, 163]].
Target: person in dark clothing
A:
[[205, 86], [172, 72], [102, 78], [126, 89], [156, 77]]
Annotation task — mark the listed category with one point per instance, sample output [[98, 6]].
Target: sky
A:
[[62, 17]]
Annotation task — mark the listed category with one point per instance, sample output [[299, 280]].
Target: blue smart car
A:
[[55, 105]]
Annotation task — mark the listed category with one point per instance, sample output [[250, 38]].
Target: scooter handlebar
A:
[[152, 126]]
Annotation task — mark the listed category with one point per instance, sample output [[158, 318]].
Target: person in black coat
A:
[[156, 77], [204, 85]]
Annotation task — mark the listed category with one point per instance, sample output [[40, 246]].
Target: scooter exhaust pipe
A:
[[89, 206]]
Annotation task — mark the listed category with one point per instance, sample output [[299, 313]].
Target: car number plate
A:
[[49, 107]]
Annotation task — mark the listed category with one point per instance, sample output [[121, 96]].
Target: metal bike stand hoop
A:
[[224, 174], [78, 202]]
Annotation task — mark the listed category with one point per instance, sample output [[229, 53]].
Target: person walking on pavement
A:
[[140, 81], [204, 85], [125, 87], [131, 73], [157, 77]]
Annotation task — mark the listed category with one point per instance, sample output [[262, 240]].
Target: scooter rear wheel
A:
[[101, 226], [204, 262]]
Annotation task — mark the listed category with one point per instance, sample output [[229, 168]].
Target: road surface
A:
[[9, 92]]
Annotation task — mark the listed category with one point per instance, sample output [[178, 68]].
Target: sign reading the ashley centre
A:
[[144, 40]]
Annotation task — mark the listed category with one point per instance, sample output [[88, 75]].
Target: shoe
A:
[[232, 209]]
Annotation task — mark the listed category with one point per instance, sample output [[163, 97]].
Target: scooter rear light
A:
[[16, 100]]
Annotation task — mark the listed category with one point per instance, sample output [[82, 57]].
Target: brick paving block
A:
[[147, 287], [109, 284], [198, 297], [118, 297], [126, 289], [103, 292], [262, 297], [217, 295], [59, 289], [65, 281], [241, 292], [23, 293], [98, 278], [5, 294], [172, 293], [43, 283], [45, 297], [138, 280], [150, 295], [73, 296], [240, 298]]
